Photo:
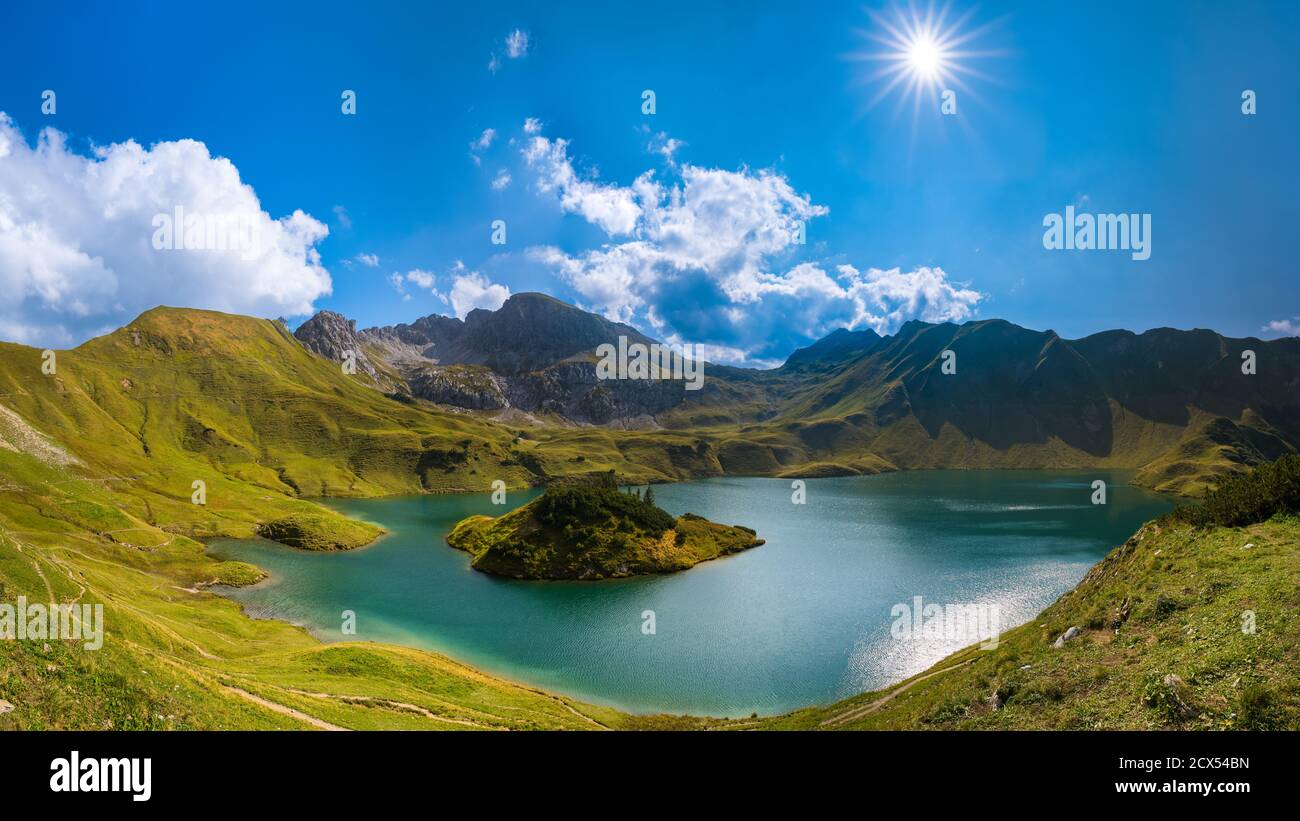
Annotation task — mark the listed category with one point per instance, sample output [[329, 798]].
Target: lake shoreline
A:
[[684, 690]]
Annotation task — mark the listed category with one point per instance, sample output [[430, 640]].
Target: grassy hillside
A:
[[176, 656], [185, 396], [1193, 623], [181, 397], [1174, 405], [98, 464], [593, 532]]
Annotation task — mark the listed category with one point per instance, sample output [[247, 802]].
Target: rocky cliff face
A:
[[534, 353], [529, 332], [462, 386], [571, 389], [334, 336]]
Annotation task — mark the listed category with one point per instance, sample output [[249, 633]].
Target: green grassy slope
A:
[[181, 396], [176, 656]]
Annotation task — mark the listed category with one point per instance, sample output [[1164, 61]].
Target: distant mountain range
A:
[[1174, 404]]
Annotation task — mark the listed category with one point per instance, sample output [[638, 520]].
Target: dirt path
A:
[[868, 709], [283, 710], [576, 712], [393, 705], [36, 565]]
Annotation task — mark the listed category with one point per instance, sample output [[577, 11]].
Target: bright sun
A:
[[925, 57], [923, 54]]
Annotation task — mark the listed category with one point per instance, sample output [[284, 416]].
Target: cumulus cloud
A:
[[613, 208], [473, 290], [532, 125], [416, 276], [723, 225], [1285, 327], [368, 260], [78, 232], [884, 300], [469, 289], [501, 181], [421, 278], [708, 257]]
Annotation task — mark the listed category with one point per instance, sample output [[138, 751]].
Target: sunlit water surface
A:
[[804, 619]]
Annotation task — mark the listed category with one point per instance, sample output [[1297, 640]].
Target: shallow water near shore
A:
[[804, 619]]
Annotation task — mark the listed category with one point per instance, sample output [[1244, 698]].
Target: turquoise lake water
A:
[[804, 619]]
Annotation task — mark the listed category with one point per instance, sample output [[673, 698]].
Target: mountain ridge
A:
[[1175, 405], [1172, 405]]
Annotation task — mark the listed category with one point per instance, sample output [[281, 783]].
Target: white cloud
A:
[[710, 256], [1286, 327], [614, 281], [501, 181], [421, 278], [665, 146], [469, 289], [517, 44], [473, 290], [722, 224], [368, 260], [76, 238], [884, 300], [399, 284], [532, 125], [612, 207], [344, 219], [483, 143]]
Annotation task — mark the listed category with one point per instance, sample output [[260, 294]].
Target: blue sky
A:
[[1110, 107]]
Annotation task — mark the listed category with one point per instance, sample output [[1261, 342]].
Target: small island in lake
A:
[[590, 532]]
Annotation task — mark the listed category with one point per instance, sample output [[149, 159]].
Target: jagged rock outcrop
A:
[[463, 386], [529, 332], [335, 337], [535, 353]]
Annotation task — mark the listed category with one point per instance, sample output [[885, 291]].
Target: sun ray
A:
[[924, 52]]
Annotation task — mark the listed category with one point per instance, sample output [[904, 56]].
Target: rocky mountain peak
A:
[[334, 336]]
